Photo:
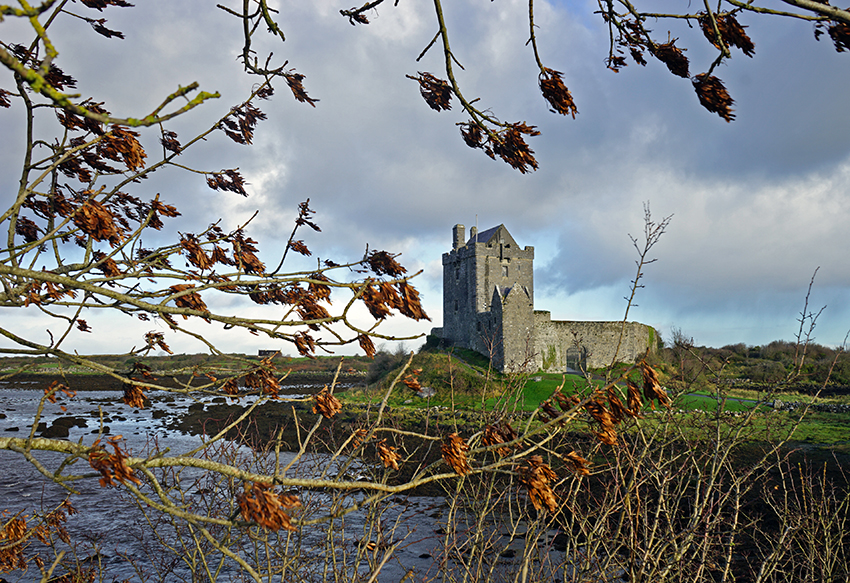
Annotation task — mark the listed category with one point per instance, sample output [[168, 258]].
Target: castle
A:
[[488, 306]]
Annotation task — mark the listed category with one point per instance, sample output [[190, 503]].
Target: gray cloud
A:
[[758, 203]]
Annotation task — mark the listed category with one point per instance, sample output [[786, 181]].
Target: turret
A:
[[457, 234]]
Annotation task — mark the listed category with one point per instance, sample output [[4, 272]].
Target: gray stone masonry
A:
[[488, 306]]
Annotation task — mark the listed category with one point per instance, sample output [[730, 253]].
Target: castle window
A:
[[504, 271], [457, 273], [455, 305]]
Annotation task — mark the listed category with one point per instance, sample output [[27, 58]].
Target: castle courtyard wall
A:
[[553, 338]]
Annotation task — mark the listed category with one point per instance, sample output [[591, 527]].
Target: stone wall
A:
[[515, 310], [552, 339]]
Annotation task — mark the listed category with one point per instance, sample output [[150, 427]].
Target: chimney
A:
[[457, 234], [473, 234]]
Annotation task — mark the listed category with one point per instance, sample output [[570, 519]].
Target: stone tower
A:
[[488, 296]]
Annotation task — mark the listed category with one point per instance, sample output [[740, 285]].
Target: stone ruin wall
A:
[[553, 338]]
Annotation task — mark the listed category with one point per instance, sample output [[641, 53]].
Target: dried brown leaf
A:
[[672, 56], [454, 450], [556, 93], [713, 96], [326, 404]]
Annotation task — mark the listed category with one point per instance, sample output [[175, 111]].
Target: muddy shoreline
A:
[[98, 382]]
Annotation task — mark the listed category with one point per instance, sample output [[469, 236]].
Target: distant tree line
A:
[[770, 363]]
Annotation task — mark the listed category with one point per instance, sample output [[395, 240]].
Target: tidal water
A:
[[109, 525]]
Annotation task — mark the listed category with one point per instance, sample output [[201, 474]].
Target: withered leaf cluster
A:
[[263, 378], [304, 343], [367, 345], [239, 125], [454, 450], [388, 454], [228, 180], [245, 253], [134, 396], [112, 466], [170, 142], [305, 216], [101, 4], [15, 535], [106, 264], [299, 247], [326, 404], [412, 379], [191, 300], [512, 148], [579, 465], [99, 26], [194, 253], [57, 77], [436, 92], [548, 411], [508, 144], [121, 144], [157, 339], [839, 32], [556, 93], [98, 222], [608, 410], [501, 432], [27, 229], [12, 536], [731, 32], [54, 521], [384, 263], [672, 56], [52, 292], [566, 402], [535, 476], [381, 298], [604, 417], [355, 16], [4, 99], [260, 504], [652, 389], [295, 82], [713, 95], [472, 135], [72, 121], [57, 387]]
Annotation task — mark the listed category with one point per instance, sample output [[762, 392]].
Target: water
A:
[[111, 529]]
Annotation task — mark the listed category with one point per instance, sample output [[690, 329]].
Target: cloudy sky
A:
[[758, 204]]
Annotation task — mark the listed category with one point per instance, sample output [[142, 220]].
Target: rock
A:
[[13, 429], [426, 392], [61, 426]]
